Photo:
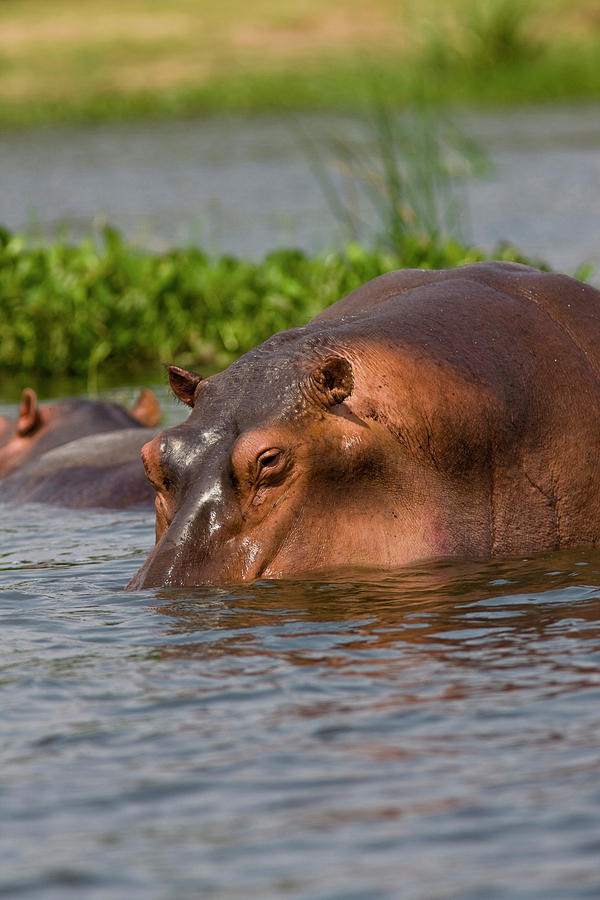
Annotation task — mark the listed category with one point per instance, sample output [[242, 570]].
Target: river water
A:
[[245, 186], [433, 734]]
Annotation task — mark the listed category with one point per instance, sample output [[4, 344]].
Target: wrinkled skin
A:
[[427, 414], [77, 452]]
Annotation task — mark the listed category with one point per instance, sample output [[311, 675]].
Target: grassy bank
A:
[[69, 61], [77, 310]]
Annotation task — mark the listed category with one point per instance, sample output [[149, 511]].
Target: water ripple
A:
[[428, 734]]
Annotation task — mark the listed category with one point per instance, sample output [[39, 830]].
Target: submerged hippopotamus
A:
[[427, 414], [77, 452]]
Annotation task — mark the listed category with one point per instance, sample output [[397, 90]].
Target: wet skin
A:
[[77, 452], [427, 414]]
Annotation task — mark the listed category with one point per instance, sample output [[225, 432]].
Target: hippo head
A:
[[278, 471], [41, 427], [235, 482]]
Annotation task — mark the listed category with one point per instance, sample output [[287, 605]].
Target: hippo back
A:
[[103, 470], [572, 305]]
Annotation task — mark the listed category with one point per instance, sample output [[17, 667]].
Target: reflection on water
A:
[[431, 734], [458, 615]]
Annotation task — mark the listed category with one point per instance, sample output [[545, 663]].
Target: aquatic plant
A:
[[400, 175], [105, 306]]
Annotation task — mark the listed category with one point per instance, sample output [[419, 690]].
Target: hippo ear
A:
[[184, 384], [146, 409], [29, 414], [332, 381]]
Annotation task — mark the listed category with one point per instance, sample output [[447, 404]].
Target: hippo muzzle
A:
[[195, 540]]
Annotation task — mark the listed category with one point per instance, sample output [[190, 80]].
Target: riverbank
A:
[[73, 63]]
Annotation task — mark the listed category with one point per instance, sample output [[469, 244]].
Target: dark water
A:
[[244, 185], [435, 734]]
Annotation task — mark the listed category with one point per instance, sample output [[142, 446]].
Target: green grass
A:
[[68, 62], [93, 310], [568, 74]]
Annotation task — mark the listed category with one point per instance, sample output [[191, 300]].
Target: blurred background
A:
[[130, 131]]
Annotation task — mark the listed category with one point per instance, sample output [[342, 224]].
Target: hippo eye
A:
[[269, 459]]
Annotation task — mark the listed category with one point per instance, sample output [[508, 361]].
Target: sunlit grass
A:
[[77, 61]]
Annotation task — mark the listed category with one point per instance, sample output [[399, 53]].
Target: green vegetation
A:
[[72, 61], [103, 306], [100, 307], [71, 310]]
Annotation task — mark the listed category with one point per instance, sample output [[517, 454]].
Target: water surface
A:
[[432, 734], [244, 185]]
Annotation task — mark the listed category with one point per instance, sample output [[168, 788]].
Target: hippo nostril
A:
[[147, 455], [152, 467]]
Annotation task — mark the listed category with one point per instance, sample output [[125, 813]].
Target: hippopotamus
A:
[[427, 414], [77, 452]]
